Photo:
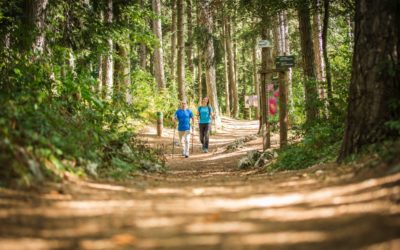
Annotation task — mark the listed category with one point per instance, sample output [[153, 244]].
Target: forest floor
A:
[[206, 202]]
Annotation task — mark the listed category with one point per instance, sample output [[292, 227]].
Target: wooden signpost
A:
[[282, 65], [266, 64]]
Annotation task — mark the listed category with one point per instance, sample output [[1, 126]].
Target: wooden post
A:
[[263, 103], [283, 114], [264, 111], [266, 70], [159, 123]]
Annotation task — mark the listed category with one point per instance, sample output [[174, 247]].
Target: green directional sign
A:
[[284, 61]]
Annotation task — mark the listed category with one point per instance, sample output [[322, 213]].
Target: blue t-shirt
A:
[[183, 117], [205, 114]]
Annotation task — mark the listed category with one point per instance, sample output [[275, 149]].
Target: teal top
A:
[[205, 114]]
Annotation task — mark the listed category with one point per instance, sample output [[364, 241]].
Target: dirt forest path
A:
[[206, 202]]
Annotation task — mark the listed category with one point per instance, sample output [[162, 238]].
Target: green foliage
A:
[[148, 100], [53, 119], [50, 128], [319, 145]]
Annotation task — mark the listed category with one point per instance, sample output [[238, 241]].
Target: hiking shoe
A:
[[186, 156], [205, 150]]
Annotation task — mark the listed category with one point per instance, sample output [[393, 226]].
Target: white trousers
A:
[[186, 137]]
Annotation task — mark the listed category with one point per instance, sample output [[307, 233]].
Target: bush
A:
[[319, 145], [50, 127]]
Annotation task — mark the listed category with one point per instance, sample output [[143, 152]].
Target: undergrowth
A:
[[320, 144], [51, 128]]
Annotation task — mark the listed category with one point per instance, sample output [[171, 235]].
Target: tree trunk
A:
[[319, 56], [142, 47], [100, 80], [256, 83], [158, 51], [122, 79], [278, 41], [173, 42], [108, 65], [226, 69], [200, 59], [246, 111], [142, 56], [231, 69], [266, 66], [350, 31], [34, 25], [283, 115], [232, 30], [375, 83], [200, 75], [317, 43], [181, 50], [310, 86], [325, 52], [285, 32], [190, 36], [209, 58]]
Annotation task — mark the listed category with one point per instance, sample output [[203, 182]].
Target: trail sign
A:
[[284, 61], [264, 44]]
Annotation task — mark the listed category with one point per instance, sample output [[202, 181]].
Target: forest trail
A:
[[206, 202]]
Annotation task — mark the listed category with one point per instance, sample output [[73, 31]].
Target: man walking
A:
[[183, 116]]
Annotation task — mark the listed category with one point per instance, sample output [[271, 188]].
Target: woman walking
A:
[[205, 114]]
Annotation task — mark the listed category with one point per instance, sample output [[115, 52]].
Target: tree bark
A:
[[246, 111], [310, 86], [200, 59], [317, 43], [200, 76], [173, 41], [190, 36], [319, 56], [209, 58], [285, 32], [142, 47], [122, 79], [283, 114], [34, 24], [325, 52], [158, 51], [108, 63], [181, 50], [375, 83], [226, 69], [266, 66], [231, 69], [142, 56], [256, 83]]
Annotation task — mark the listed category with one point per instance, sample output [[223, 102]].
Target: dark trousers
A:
[[204, 134]]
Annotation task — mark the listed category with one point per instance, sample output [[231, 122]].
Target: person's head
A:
[[183, 104], [204, 102]]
